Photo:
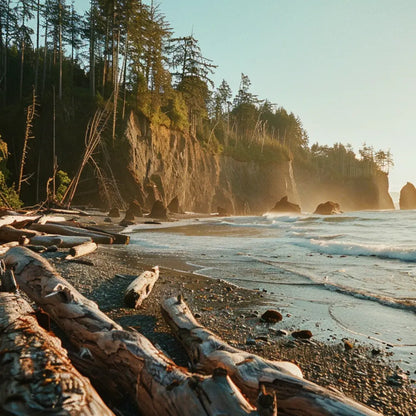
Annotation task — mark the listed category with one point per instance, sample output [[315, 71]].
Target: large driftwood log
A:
[[295, 396], [118, 238], [52, 228], [9, 233], [63, 241], [139, 289], [119, 360], [36, 375]]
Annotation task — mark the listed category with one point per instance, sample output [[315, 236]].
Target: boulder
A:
[[271, 316], [174, 206], [159, 210], [135, 209], [408, 197], [222, 212], [302, 334], [285, 206], [114, 212], [328, 208]]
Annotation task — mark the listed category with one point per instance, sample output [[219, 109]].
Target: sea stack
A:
[[328, 208], [408, 197], [285, 206]]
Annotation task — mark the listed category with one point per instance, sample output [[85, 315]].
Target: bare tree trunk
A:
[[45, 58], [295, 396], [37, 45], [123, 361], [60, 51], [37, 376], [30, 115], [92, 49]]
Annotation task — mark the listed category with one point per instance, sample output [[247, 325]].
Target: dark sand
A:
[[233, 313]]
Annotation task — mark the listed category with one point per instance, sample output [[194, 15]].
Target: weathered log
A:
[[81, 250], [16, 220], [9, 233], [53, 228], [123, 361], [63, 241], [36, 375], [118, 238], [6, 246], [295, 396], [139, 289], [68, 211]]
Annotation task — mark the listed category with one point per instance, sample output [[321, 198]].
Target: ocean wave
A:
[[406, 304], [382, 251]]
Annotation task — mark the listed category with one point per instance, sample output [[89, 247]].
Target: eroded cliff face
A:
[[172, 164], [353, 194], [179, 166]]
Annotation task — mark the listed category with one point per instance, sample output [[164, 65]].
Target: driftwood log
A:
[[81, 250], [63, 241], [139, 289], [36, 375], [295, 396], [9, 233], [54, 228], [119, 360], [5, 247]]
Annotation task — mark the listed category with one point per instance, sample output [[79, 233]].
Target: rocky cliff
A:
[[162, 163], [353, 194]]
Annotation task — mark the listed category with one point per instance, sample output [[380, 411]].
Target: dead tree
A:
[[123, 361], [295, 396]]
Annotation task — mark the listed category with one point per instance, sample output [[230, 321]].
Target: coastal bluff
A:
[[160, 163]]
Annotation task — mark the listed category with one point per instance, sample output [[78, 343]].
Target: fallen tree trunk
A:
[[36, 375], [123, 361], [139, 289], [9, 233], [81, 250], [63, 241], [53, 228], [118, 238], [295, 396]]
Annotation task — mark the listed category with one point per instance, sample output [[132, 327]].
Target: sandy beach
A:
[[363, 372]]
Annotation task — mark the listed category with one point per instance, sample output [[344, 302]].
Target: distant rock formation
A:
[[408, 197], [159, 210], [285, 206], [174, 206], [114, 212], [328, 208]]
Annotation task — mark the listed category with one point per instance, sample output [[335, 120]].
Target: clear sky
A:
[[347, 68]]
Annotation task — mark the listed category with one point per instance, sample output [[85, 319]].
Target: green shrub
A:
[[63, 181]]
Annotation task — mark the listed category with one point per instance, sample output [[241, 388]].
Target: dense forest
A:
[[68, 82]]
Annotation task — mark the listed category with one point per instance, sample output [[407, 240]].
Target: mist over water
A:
[[353, 273]]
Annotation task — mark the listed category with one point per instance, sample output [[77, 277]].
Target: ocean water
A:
[[347, 276]]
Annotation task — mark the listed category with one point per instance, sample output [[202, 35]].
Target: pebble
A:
[[251, 341]]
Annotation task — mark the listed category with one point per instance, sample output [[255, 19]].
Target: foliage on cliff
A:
[[122, 56]]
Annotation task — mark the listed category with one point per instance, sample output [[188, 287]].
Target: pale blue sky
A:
[[346, 67]]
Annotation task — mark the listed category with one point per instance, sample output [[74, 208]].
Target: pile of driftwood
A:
[[38, 378], [50, 232]]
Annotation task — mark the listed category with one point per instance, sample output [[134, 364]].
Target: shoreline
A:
[[364, 373]]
